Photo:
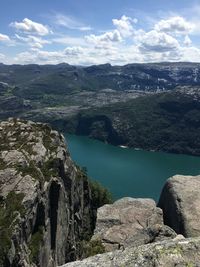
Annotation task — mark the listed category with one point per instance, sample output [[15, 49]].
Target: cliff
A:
[[133, 232], [48, 211], [45, 200]]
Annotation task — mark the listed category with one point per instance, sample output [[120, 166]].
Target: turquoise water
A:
[[129, 172]]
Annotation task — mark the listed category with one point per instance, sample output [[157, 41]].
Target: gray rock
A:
[[45, 206], [180, 201], [130, 222], [182, 253]]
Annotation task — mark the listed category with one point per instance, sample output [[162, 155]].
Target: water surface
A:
[[129, 172]]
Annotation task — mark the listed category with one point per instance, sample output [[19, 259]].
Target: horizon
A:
[[86, 33], [106, 63]]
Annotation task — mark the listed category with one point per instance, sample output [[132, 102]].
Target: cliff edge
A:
[[45, 200]]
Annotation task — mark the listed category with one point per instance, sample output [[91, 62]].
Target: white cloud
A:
[[70, 23], [29, 26], [33, 41], [69, 40], [39, 56], [158, 42], [73, 51], [72, 55], [124, 25], [191, 54], [175, 24], [108, 37], [167, 40], [193, 15], [4, 38], [2, 56], [187, 41]]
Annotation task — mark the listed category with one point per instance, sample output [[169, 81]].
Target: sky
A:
[[87, 32]]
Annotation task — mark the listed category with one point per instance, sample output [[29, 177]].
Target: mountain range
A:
[[150, 106]]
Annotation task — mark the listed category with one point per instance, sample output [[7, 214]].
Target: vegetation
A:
[[81, 173], [91, 248], [50, 168], [10, 208], [100, 195], [29, 169], [165, 122], [35, 244]]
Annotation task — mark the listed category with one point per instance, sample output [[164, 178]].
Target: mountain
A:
[[34, 80], [168, 121], [147, 106]]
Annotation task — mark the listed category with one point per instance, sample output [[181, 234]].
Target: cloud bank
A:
[[168, 39]]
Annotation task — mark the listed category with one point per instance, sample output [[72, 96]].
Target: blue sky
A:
[[86, 32]]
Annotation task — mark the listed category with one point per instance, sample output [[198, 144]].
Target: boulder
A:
[[130, 222], [180, 202], [168, 253]]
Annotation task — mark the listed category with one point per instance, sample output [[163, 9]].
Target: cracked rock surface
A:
[[45, 205], [182, 253], [130, 222]]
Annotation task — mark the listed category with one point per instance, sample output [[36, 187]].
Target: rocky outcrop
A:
[[45, 201], [130, 222], [181, 253], [180, 202], [47, 217]]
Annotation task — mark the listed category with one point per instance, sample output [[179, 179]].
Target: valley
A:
[[147, 106]]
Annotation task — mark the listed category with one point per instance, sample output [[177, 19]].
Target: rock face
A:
[[45, 202], [182, 253], [130, 222], [46, 211], [180, 201]]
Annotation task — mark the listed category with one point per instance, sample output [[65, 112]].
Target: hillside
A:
[[34, 80], [162, 122], [148, 106]]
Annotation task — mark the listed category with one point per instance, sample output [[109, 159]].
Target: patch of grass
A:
[[47, 141], [100, 194], [50, 168], [29, 149], [30, 169], [91, 248], [48, 138], [176, 250], [10, 207]]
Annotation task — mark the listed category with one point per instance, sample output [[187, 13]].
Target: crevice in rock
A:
[[40, 217], [53, 211], [66, 180]]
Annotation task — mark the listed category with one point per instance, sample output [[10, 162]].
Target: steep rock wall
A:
[[45, 200]]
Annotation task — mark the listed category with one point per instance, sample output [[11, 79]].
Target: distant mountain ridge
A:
[[64, 77], [100, 101]]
